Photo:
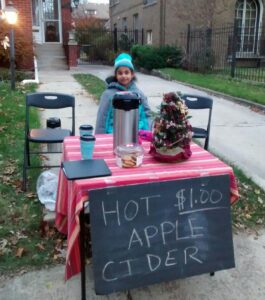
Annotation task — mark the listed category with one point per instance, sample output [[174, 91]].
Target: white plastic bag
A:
[[47, 188]]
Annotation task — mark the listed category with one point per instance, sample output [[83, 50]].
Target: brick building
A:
[[164, 20], [43, 21]]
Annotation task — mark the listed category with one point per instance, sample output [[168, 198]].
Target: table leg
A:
[[82, 255]]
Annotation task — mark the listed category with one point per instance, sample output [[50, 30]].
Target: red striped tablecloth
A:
[[72, 194]]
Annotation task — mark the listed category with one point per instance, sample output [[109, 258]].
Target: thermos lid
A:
[[87, 138], [53, 122], [126, 100], [86, 127]]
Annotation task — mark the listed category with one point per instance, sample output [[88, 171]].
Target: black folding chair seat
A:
[[200, 102], [48, 135], [48, 101], [199, 133]]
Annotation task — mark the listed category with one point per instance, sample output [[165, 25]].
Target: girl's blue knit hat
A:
[[123, 60]]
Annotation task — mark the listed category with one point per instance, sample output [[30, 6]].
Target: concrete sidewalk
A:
[[245, 282], [237, 134]]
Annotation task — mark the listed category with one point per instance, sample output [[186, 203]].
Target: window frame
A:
[[149, 2], [2, 4], [149, 37], [242, 8]]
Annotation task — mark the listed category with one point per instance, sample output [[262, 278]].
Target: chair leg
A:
[[25, 165], [28, 153], [82, 255], [206, 144]]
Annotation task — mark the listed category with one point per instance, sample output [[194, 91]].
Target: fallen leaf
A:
[[19, 252], [260, 200], [9, 170], [30, 195], [14, 240], [3, 244], [40, 246]]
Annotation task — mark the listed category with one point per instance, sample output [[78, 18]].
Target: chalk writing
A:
[[130, 210], [147, 233], [185, 199], [165, 232]]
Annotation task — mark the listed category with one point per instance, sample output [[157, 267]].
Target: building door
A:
[[51, 21], [46, 21]]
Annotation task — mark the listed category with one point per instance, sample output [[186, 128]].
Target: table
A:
[[72, 195]]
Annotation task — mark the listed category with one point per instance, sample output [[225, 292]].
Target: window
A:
[[124, 23], [90, 12], [2, 4], [113, 2], [148, 2], [247, 16], [35, 13], [149, 37], [135, 27]]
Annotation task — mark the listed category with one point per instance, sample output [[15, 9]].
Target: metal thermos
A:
[[126, 117], [54, 123]]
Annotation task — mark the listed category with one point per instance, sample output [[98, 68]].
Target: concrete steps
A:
[[51, 57]]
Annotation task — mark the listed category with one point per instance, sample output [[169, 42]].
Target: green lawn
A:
[[221, 84], [25, 242]]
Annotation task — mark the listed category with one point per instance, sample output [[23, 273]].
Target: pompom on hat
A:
[[123, 60]]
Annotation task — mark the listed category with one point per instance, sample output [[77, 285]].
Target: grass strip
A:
[[25, 242], [226, 85], [92, 84]]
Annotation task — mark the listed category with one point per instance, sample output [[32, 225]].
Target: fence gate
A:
[[100, 45]]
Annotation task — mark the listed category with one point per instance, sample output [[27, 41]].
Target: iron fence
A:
[[100, 45], [228, 50]]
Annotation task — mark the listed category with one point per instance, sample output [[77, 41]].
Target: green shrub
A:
[[151, 57], [146, 57], [171, 56], [20, 75], [23, 48]]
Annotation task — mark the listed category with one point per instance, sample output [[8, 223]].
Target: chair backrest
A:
[[50, 101], [199, 102]]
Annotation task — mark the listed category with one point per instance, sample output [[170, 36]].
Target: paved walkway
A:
[[237, 134]]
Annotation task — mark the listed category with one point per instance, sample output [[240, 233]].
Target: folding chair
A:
[[200, 102], [45, 135]]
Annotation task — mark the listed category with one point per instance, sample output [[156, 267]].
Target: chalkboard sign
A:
[[149, 233]]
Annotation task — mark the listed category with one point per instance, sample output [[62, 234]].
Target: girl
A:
[[123, 80]]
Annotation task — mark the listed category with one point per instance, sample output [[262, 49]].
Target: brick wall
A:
[[66, 20], [24, 24]]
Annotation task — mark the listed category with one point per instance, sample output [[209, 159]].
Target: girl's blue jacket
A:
[[104, 123]]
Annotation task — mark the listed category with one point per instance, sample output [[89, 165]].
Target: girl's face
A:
[[124, 76]]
